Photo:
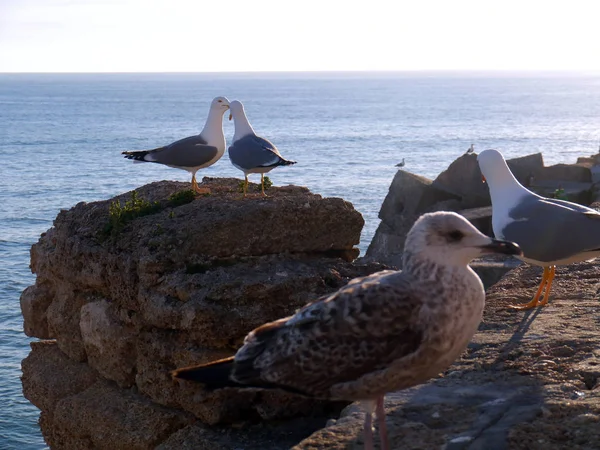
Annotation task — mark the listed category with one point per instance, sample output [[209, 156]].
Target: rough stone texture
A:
[[103, 334], [408, 197], [48, 375], [112, 418], [180, 286], [34, 305], [526, 167], [463, 179], [529, 380], [460, 188]]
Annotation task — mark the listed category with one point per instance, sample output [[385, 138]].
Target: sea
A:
[[61, 137]]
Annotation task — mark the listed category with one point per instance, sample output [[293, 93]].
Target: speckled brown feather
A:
[[360, 329]]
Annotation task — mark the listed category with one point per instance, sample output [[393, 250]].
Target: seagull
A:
[[471, 149], [251, 153], [401, 163], [551, 232], [388, 331], [194, 152]]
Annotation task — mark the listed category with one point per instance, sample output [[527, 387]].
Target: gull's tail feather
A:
[[285, 162], [214, 375], [139, 155]]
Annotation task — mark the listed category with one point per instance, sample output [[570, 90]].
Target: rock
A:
[[480, 217], [570, 190], [181, 285], [112, 418], [408, 196], [524, 168], [565, 172], [108, 343], [34, 306], [463, 179], [49, 375]]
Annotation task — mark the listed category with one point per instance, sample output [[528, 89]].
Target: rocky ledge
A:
[[130, 288]]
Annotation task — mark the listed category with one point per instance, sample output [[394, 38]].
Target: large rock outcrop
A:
[[127, 299]]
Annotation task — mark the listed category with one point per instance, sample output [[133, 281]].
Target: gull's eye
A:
[[220, 101], [455, 236]]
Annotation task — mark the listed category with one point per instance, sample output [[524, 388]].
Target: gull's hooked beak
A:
[[502, 247]]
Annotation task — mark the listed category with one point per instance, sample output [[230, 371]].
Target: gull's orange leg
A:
[[262, 184], [245, 184], [197, 188], [544, 302], [534, 302]]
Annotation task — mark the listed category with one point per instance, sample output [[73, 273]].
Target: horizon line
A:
[[357, 71]]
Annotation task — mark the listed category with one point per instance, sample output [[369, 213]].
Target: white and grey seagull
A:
[[385, 332], [551, 232], [251, 153], [194, 152]]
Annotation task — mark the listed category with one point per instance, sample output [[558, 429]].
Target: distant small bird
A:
[[388, 331], [194, 152], [251, 153], [471, 149], [401, 164]]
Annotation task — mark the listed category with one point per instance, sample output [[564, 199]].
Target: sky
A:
[[293, 35]]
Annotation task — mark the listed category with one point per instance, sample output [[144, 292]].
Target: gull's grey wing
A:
[[360, 329], [251, 152], [551, 230], [191, 151]]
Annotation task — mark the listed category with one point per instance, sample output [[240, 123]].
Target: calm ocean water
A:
[[61, 138]]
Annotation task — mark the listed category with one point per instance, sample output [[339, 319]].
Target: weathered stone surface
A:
[[463, 179], [34, 306], [408, 195], [108, 343], [526, 168], [571, 190], [266, 436], [49, 375], [112, 418], [63, 319], [565, 172]]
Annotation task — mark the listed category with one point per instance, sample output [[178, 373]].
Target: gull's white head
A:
[[236, 109], [494, 169], [220, 104], [448, 239]]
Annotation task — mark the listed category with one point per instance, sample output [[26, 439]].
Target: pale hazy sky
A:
[[292, 35]]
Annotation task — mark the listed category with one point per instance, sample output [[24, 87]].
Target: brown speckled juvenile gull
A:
[[378, 334]]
